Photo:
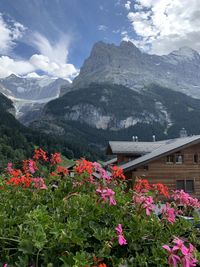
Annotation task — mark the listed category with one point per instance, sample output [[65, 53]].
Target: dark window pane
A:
[[146, 167], [180, 185], [179, 159], [170, 159], [189, 187], [195, 158]]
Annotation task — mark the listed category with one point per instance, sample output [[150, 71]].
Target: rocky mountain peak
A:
[[127, 65], [129, 45], [12, 77], [186, 53]]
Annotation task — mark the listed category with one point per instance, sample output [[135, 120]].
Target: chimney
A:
[[136, 139], [183, 133], [154, 138], [133, 138]]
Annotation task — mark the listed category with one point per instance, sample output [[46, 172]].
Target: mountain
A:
[[30, 94], [127, 65], [100, 112], [32, 88], [106, 107], [122, 91], [17, 142]]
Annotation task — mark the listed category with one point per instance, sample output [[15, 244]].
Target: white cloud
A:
[[57, 52], [34, 64], [51, 60], [34, 75], [128, 5], [9, 33], [52, 57], [102, 27], [18, 67], [53, 68], [165, 25]]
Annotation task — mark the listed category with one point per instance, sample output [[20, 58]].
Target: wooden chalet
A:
[[174, 162]]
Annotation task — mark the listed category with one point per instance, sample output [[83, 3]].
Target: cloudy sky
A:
[[53, 37]]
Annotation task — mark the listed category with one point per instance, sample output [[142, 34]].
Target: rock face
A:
[[29, 95], [32, 88], [111, 107], [100, 112], [97, 117], [127, 65]]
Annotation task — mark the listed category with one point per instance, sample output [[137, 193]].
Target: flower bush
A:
[[51, 218]]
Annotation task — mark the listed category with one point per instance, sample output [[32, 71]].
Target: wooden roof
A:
[[131, 147], [166, 148]]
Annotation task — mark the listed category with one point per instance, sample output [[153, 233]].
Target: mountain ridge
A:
[[29, 95], [127, 65]]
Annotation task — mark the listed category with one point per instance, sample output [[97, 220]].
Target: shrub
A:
[[51, 218]]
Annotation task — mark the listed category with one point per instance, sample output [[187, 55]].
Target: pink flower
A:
[[148, 205], [39, 183], [180, 253], [173, 259], [188, 260], [146, 202], [121, 240], [103, 173], [9, 168], [32, 166], [107, 195], [119, 229], [169, 213], [185, 199], [179, 245]]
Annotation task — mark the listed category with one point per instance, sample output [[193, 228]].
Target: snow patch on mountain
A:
[[30, 93]]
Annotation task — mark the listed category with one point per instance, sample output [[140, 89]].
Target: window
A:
[[189, 186], [179, 159], [186, 185], [170, 159], [180, 184], [195, 158], [146, 167]]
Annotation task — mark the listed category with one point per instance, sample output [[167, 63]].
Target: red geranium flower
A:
[[141, 186], [84, 165], [40, 154], [161, 189], [117, 172], [55, 158]]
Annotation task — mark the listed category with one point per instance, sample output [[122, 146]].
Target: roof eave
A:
[[160, 156]]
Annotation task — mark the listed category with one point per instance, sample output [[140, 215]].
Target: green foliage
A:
[[71, 225], [17, 141]]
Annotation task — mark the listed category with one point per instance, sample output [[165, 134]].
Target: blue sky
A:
[[54, 37], [82, 21]]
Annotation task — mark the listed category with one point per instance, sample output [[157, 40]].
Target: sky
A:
[[54, 37]]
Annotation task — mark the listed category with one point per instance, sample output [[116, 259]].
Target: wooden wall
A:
[[121, 158], [166, 173]]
